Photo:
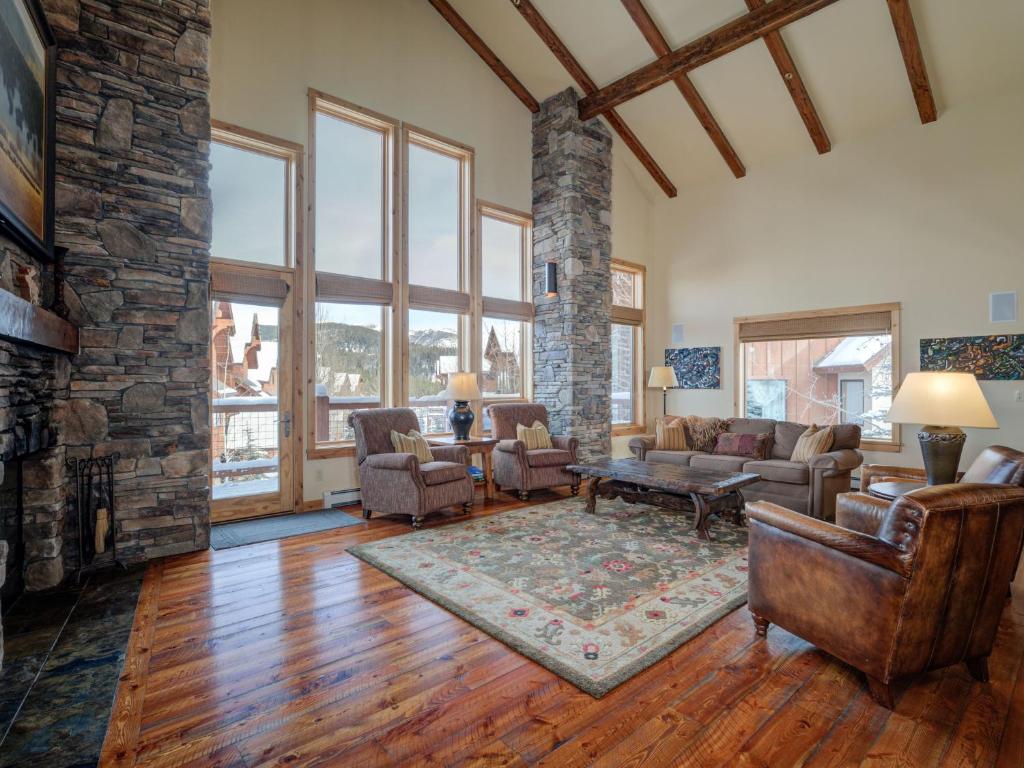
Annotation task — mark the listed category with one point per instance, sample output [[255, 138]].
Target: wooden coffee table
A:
[[703, 491]]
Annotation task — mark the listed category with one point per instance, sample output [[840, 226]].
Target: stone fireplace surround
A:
[[133, 209]]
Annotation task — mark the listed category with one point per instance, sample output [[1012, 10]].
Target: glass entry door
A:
[[251, 426]]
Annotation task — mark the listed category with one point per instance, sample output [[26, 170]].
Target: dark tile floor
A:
[[63, 653]]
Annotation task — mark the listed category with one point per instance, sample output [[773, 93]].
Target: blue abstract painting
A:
[[990, 358], [696, 367]]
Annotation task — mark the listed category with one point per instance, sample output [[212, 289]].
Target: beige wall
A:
[[400, 58], [929, 216]]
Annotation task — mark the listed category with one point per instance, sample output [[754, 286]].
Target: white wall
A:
[[400, 58], [929, 216]]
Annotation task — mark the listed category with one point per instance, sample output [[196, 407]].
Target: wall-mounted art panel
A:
[[696, 367], [991, 358]]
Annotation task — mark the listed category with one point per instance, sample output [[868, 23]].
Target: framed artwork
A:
[[27, 56], [696, 367], [991, 358]]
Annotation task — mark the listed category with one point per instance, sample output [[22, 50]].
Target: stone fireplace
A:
[[134, 215]]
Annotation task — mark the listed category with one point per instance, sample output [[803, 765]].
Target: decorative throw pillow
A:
[[813, 441], [535, 437], [753, 446], [413, 443], [704, 432], [670, 435]]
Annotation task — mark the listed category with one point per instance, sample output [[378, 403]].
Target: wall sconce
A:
[[551, 280]]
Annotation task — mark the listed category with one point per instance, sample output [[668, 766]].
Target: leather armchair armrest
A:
[[457, 453], [566, 443], [512, 446], [848, 542], [641, 444], [836, 462], [876, 473], [405, 462], [860, 512]]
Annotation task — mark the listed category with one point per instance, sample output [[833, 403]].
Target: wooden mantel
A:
[[24, 322]]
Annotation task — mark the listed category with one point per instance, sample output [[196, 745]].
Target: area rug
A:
[[593, 598], [228, 535]]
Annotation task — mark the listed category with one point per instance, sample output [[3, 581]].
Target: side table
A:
[[893, 489], [484, 447]]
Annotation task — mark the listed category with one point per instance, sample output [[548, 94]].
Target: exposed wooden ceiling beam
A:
[[910, 46], [575, 70], [660, 46], [795, 85], [497, 65], [726, 38]]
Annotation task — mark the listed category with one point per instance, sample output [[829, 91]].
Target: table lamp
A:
[[663, 376], [943, 402], [462, 388]]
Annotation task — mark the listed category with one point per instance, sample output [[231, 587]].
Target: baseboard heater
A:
[[343, 498]]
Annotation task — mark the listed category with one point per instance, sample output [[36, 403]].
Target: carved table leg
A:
[[592, 494], [700, 507]]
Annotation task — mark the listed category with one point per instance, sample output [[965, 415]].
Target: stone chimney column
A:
[[572, 175]]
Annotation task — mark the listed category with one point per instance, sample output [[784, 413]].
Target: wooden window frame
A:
[[293, 274], [637, 318], [524, 221], [392, 326], [894, 444], [437, 299]]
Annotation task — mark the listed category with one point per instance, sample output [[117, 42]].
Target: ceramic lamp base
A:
[[461, 417], [941, 448]]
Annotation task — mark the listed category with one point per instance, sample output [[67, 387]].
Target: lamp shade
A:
[[942, 398], [662, 376], [462, 386]]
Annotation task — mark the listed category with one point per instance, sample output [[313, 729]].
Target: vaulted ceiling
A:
[[846, 55]]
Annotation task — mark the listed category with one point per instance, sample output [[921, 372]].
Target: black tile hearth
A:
[[64, 651]]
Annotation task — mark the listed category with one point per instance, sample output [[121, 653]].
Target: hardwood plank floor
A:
[[295, 653]]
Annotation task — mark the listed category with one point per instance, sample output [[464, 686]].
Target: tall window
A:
[[823, 367], [352, 189], [627, 346], [438, 182], [506, 309]]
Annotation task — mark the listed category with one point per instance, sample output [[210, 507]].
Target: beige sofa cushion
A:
[[812, 442], [719, 463], [780, 471], [670, 435], [786, 435], [682, 458]]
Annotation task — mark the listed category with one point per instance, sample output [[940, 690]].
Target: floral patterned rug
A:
[[593, 598]]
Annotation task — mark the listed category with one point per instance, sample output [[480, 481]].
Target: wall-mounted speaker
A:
[[1002, 307], [677, 335]]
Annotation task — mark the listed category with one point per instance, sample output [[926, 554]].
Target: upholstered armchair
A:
[[525, 471], [397, 483], [996, 464], [918, 587]]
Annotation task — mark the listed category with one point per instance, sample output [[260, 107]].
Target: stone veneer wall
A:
[[133, 208], [572, 162]]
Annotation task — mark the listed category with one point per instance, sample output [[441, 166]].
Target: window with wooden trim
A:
[[822, 367], [506, 311], [352, 186], [627, 334]]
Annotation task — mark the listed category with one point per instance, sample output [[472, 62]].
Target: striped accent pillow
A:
[[535, 437], [813, 441], [670, 435], [413, 443]]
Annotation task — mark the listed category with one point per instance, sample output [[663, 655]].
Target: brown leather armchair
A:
[[525, 471], [996, 464], [397, 483], [918, 587]]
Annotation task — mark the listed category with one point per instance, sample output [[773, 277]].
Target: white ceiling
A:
[[847, 54]]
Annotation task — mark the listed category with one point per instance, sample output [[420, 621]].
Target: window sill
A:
[[337, 451], [880, 446]]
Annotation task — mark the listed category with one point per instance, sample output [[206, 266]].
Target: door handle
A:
[[287, 419]]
